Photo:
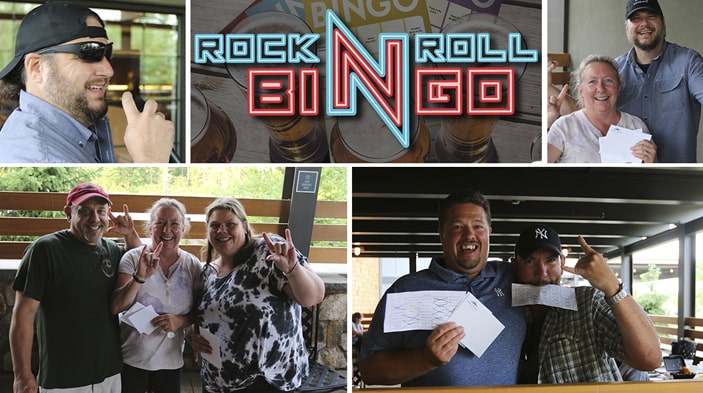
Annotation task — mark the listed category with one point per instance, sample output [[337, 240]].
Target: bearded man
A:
[[663, 83], [59, 76]]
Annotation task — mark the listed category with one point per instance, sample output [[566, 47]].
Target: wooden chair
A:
[[560, 75]]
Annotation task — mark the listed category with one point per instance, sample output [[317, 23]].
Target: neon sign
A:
[[439, 83]]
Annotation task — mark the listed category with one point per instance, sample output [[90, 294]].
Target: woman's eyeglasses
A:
[[91, 52]]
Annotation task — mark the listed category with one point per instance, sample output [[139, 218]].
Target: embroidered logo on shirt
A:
[[499, 292]]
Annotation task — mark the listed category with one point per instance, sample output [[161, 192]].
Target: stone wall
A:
[[332, 337]]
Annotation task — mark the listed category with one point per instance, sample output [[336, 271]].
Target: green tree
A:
[[652, 301], [333, 184], [38, 179], [41, 179], [237, 181]]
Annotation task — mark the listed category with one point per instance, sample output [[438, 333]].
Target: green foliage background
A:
[[238, 181], [262, 182], [652, 301]]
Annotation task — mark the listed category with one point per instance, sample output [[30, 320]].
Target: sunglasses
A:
[[91, 52]]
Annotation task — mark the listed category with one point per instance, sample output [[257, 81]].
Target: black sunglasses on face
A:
[[91, 52]]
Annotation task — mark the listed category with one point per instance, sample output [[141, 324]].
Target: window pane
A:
[[423, 263], [391, 270], [616, 266], [699, 275], [656, 283], [11, 15], [571, 280]]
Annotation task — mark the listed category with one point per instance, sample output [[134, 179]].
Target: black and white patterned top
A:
[[258, 325]]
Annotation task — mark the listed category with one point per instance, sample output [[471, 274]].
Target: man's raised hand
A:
[[148, 136]]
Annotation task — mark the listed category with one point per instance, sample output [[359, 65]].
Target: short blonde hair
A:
[[577, 75], [166, 202]]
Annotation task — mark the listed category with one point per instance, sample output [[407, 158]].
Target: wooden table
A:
[[513, 135]]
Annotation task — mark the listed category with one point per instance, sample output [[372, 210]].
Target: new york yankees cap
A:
[[536, 237]]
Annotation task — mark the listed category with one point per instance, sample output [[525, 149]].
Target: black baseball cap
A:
[[536, 237], [636, 5], [52, 24]]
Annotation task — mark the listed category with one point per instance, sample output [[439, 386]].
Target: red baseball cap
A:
[[83, 191]]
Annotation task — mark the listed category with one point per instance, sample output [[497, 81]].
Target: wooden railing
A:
[[667, 329], [560, 75], [258, 210]]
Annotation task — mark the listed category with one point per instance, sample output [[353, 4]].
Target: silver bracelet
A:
[[615, 299]]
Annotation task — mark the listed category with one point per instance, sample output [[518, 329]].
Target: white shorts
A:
[[111, 384]]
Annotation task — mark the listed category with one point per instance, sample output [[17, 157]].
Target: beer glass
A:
[[213, 137], [293, 138], [365, 138], [467, 138]]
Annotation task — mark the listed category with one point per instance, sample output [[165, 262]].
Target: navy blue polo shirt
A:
[[498, 365]]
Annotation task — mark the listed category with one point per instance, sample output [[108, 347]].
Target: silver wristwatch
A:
[[613, 300]]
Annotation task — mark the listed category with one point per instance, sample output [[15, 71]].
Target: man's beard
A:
[[658, 38], [73, 100]]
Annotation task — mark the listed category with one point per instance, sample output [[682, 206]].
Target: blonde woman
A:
[[574, 138], [170, 284], [253, 291]]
